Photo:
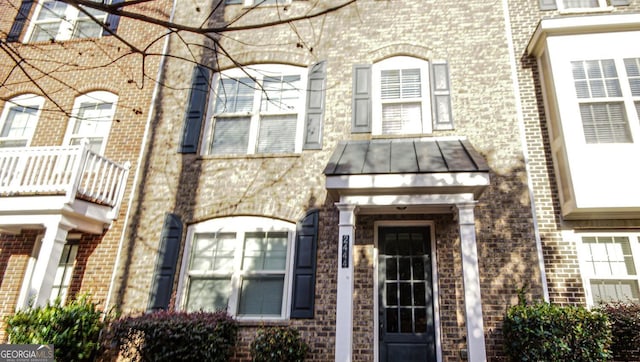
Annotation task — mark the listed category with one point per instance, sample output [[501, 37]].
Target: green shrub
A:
[[625, 327], [546, 332], [73, 329], [175, 336], [278, 344]]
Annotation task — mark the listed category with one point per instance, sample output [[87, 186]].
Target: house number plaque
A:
[[345, 251]]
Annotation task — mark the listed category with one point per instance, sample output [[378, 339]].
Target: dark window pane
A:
[[421, 320], [392, 320], [405, 268], [392, 269], [418, 268], [392, 294], [419, 294], [406, 320], [405, 294]]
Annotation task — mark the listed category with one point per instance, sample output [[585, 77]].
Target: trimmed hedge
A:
[[175, 336], [73, 329], [278, 344], [546, 332], [625, 327]]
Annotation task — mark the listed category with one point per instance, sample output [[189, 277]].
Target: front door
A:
[[406, 297]]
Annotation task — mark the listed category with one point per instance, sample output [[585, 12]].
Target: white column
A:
[[471, 279], [55, 236], [344, 299]]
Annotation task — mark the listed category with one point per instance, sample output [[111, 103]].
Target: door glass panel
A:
[[392, 320], [405, 268], [421, 320], [406, 320], [405, 294], [392, 294], [418, 268], [392, 268], [419, 294]]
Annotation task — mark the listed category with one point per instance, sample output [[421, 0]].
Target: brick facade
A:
[[62, 71], [471, 37]]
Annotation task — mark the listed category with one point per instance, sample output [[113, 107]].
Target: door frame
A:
[[434, 271]]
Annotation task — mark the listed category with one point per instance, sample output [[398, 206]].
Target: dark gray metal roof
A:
[[405, 156]]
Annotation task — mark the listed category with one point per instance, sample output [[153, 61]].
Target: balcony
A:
[[82, 186]]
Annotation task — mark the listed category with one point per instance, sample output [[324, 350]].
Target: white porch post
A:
[[344, 299], [55, 236], [471, 280]]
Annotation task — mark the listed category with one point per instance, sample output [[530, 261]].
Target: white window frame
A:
[[240, 225], [585, 270], [91, 97], [68, 22], [398, 63], [257, 72], [64, 273], [25, 100], [602, 5]]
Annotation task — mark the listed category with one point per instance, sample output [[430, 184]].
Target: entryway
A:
[[405, 315]]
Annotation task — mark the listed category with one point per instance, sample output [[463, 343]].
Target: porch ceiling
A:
[[400, 172]]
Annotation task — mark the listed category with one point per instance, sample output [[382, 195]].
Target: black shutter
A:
[[361, 113], [619, 2], [168, 252], [19, 21], [113, 21], [315, 106], [304, 270], [441, 96], [195, 110], [548, 5]]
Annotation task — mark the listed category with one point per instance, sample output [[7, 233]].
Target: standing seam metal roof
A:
[[392, 156]]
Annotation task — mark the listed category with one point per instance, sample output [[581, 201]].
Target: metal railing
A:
[[74, 171]]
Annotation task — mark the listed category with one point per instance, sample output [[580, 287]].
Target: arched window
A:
[[19, 119], [91, 119]]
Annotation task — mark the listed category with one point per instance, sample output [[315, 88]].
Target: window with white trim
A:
[[91, 119], [582, 4], [258, 2], [607, 90], [258, 110], [64, 272], [241, 264], [19, 119], [56, 20], [401, 96], [609, 264]]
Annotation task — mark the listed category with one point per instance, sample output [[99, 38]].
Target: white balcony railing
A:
[[73, 171]]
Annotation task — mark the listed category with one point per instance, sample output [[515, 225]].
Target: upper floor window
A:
[[581, 5], [19, 119], [402, 96], [608, 91], [609, 264], [258, 110], [241, 264], [56, 20], [91, 120]]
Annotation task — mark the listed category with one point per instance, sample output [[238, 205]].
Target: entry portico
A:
[[408, 176]]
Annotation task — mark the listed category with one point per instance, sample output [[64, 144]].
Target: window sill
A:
[[253, 156], [257, 322], [606, 9]]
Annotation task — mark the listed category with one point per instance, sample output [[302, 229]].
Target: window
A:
[[19, 119], [401, 96], [602, 89], [240, 264], [582, 4], [92, 117], [258, 111], [62, 279], [609, 265], [60, 21], [257, 2]]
